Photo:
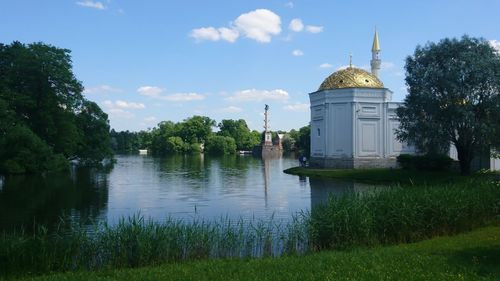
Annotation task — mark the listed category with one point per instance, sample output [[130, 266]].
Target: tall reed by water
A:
[[393, 215], [403, 214]]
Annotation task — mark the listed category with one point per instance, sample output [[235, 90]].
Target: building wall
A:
[[354, 128]]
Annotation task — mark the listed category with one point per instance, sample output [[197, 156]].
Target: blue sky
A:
[[148, 61]]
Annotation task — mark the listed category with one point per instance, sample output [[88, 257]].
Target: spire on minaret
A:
[[375, 62]]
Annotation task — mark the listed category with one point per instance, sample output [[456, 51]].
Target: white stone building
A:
[[353, 120]]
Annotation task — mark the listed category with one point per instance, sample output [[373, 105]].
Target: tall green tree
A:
[[454, 88], [239, 131], [196, 129], [40, 94]]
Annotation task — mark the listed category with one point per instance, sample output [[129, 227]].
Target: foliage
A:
[[304, 140], [137, 242], [219, 145], [403, 215], [196, 129], [26, 153], [454, 97], [436, 162], [239, 131], [39, 92], [471, 256]]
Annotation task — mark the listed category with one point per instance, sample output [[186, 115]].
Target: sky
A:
[[144, 62]]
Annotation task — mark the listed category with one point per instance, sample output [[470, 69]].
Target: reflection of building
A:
[[353, 120], [321, 189]]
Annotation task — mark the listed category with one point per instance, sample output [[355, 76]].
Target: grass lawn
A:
[[470, 256], [384, 175]]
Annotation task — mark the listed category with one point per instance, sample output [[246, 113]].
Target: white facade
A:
[[354, 128]]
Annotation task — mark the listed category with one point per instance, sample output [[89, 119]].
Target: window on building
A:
[[319, 132]]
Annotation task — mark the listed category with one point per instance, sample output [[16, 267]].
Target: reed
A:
[[389, 216], [404, 214]]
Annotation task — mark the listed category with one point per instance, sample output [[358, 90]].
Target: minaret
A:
[[375, 62]]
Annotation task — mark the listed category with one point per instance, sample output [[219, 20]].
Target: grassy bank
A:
[[471, 256], [398, 176], [392, 216]]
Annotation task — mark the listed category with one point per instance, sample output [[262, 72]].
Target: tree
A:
[[303, 141], [95, 141], [219, 145], [40, 93], [453, 98], [196, 129], [239, 131]]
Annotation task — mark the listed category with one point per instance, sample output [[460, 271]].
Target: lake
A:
[[183, 187]]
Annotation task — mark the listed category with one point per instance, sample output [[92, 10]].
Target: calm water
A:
[[185, 187]]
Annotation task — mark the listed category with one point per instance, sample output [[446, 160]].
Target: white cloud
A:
[[314, 29], [150, 119], [123, 105], [259, 95], [297, 53], [289, 4], [495, 44], [91, 4], [155, 92], [297, 107], [150, 91], [120, 113], [231, 109], [325, 65], [259, 25], [296, 25], [205, 33], [183, 97], [102, 89], [228, 34]]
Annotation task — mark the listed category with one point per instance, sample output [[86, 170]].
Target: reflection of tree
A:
[[29, 200]]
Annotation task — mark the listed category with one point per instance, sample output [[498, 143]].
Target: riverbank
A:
[[394, 176], [471, 256]]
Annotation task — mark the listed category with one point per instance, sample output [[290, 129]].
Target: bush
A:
[[435, 162]]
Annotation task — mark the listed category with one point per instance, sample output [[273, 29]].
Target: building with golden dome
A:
[[353, 119]]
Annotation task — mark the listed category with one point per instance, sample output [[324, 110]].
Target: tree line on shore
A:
[[196, 134]]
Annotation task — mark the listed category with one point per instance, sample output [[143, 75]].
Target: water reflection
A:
[[29, 200], [182, 187], [321, 189]]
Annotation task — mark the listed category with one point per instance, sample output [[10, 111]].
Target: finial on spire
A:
[[350, 60], [376, 44]]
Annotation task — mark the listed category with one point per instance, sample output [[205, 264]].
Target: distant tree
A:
[[175, 145], [454, 88], [303, 141], [196, 129], [219, 145], [288, 143], [239, 131]]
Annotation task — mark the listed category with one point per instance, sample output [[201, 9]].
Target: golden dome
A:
[[351, 78]]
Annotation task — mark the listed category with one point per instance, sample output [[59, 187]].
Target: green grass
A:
[[470, 256], [394, 176]]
